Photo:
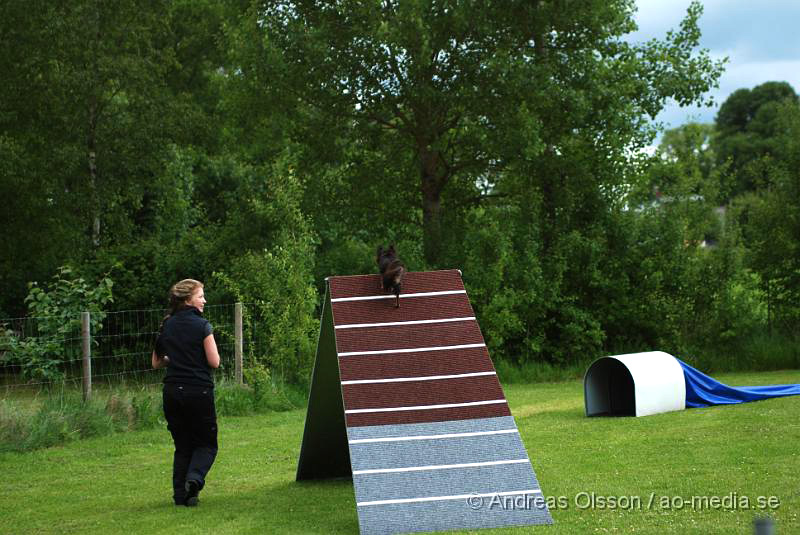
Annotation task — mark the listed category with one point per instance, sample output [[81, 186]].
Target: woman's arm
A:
[[159, 362], [212, 355]]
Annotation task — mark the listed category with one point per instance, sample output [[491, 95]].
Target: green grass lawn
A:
[[121, 483]]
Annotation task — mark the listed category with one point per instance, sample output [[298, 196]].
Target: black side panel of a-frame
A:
[[324, 452]]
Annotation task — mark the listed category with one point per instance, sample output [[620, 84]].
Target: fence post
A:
[[86, 336], [239, 347]]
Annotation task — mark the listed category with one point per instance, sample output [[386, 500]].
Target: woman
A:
[[186, 347]]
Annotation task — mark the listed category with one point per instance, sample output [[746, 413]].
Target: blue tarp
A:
[[704, 391]]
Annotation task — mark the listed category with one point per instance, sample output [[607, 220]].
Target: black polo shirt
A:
[[181, 339]]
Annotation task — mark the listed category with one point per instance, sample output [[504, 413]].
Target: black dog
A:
[[392, 270]]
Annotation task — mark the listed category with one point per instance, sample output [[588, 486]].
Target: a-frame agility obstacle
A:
[[407, 402]]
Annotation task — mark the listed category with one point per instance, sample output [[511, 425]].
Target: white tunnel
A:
[[636, 384]]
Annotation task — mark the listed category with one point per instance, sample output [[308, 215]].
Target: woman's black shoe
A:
[[192, 490]]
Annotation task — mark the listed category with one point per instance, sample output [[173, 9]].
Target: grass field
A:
[[120, 483]]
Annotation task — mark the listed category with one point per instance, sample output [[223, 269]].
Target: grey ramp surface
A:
[[438, 451], [463, 513], [444, 482], [432, 428], [443, 443]]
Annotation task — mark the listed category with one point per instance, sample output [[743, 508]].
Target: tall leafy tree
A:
[[748, 129], [771, 222], [87, 101], [95, 97], [109, 81], [40, 226], [452, 94]]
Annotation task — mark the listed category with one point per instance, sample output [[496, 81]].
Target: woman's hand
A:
[[159, 362]]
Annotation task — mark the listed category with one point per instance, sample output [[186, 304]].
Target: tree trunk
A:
[[433, 178], [431, 225], [94, 118], [91, 146]]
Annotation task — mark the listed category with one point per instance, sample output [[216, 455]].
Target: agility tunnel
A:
[[639, 384], [406, 401]]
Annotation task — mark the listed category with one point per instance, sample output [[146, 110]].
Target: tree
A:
[[748, 129], [57, 311], [683, 173], [41, 229], [95, 99], [770, 218], [690, 143], [453, 95]]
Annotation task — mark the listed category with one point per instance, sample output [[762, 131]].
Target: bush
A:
[[135, 410], [277, 281], [62, 415], [539, 372], [258, 394], [758, 351], [57, 311]]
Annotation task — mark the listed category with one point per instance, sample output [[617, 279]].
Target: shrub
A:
[[57, 311], [258, 394], [62, 415], [277, 281]]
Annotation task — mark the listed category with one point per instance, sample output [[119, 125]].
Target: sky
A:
[[761, 40]]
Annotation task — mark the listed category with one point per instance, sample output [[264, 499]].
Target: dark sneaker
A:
[[192, 490]]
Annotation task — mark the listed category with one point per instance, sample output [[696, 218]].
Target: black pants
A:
[[192, 420]]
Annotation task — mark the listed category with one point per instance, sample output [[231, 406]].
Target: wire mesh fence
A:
[[37, 353]]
